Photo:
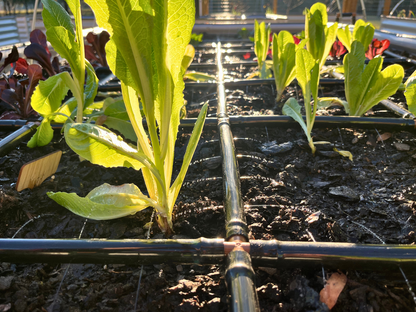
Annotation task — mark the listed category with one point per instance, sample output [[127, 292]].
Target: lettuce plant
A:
[[38, 50], [68, 41], [17, 94], [95, 49], [337, 50], [261, 47], [367, 85], [145, 51], [377, 47], [307, 74], [320, 38], [284, 69], [410, 92], [363, 32]]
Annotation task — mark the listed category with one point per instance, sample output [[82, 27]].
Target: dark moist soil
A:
[[289, 195], [282, 185]]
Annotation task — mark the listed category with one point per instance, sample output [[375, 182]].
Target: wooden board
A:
[[35, 172]]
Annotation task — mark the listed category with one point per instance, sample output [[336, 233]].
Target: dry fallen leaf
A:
[[334, 286], [313, 217], [344, 153], [383, 137]]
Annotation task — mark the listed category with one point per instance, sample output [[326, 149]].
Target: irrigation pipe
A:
[[391, 124], [239, 274], [208, 251], [235, 219], [14, 139]]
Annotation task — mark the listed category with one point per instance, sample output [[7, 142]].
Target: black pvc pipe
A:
[[239, 277], [328, 122], [239, 273], [272, 253], [391, 54], [406, 124], [271, 81], [275, 253], [131, 251], [402, 112], [235, 221], [14, 139]]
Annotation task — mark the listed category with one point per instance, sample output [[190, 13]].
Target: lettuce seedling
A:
[[307, 74], [319, 37], [261, 47], [410, 92], [363, 32], [145, 51], [367, 85], [284, 60]]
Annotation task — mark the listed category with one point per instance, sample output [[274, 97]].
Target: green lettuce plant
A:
[[68, 41], [146, 51], [320, 37], [367, 85], [410, 92], [307, 74], [261, 47], [284, 60], [363, 32]]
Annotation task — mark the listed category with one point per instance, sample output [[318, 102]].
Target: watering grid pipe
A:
[[239, 273], [391, 124], [209, 251], [235, 219]]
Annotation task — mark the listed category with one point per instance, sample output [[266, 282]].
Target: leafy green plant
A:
[[146, 50], [261, 47], [243, 33], [320, 38], [196, 39], [307, 74], [194, 75], [68, 41], [367, 85], [363, 32], [410, 92], [284, 60]]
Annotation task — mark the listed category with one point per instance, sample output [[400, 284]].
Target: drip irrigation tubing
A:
[[239, 273], [391, 124], [235, 218], [208, 251], [12, 140]]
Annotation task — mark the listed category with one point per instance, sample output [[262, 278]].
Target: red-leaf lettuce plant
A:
[[377, 47], [367, 85], [17, 94], [95, 49], [38, 50], [145, 51]]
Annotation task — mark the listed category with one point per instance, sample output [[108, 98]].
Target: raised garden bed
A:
[[267, 199]]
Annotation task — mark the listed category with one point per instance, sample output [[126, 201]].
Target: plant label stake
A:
[[35, 172]]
